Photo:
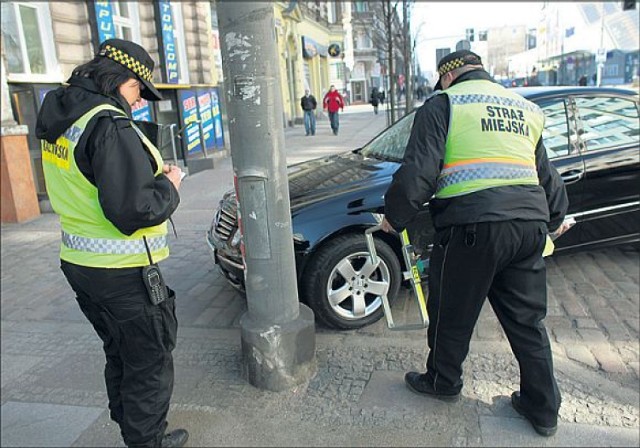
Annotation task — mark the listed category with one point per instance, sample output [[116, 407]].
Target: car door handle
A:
[[572, 176]]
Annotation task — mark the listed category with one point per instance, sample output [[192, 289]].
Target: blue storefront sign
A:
[[216, 115], [141, 111], [311, 48], [206, 118], [168, 42], [189, 109], [104, 20]]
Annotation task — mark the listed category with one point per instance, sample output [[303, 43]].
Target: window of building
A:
[[28, 39], [361, 7], [126, 21], [611, 70], [331, 12], [608, 122], [363, 41]]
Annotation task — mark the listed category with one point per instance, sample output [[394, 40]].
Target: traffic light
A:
[[469, 33], [628, 4]]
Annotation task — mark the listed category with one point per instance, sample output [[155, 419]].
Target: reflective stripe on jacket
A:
[[88, 237], [492, 138]]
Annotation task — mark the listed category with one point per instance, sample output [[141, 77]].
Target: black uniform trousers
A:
[[502, 261], [138, 338]]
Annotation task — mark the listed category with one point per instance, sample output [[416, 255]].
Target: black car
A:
[[592, 138]]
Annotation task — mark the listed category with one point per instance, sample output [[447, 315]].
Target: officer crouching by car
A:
[[114, 195], [478, 147]]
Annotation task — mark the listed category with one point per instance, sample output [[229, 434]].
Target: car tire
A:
[[326, 276]]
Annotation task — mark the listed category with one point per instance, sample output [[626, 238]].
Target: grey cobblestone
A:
[[581, 354]]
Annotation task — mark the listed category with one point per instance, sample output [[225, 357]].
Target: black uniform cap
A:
[[455, 60], [136, 59]]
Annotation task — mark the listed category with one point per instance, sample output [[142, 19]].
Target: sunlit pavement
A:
[[53, 393]]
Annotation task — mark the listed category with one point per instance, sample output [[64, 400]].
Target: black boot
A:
[[175, 438], [546, 431], [417, 382]]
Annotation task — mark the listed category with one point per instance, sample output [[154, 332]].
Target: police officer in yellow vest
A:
[[477, 147], [114, 195]]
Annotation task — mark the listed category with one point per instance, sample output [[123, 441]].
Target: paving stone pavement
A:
[[52, 361]]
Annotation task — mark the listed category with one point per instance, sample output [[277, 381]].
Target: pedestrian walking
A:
[[333, 102], [375, 99], [114, 195], [308, 103], [478, 147]]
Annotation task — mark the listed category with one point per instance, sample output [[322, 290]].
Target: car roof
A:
[[533, 93]]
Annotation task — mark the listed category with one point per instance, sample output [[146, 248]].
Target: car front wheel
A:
[[344, 288]]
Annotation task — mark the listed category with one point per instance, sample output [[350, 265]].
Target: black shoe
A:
[[416, 382], [175, 438], [546, 431]]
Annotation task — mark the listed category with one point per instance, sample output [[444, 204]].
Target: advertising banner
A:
[[216, 115], [189, 110], [104, 20], [168, 41], [206, 118], [141, 111]]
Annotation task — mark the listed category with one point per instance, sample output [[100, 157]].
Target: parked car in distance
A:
[[592, 138]]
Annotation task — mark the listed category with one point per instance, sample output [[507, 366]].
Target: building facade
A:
[[42, 42]]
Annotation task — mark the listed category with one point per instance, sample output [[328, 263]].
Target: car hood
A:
[[327, 177]]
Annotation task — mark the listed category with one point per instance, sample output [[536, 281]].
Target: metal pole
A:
[[173, 143], [278, 333], [202, 141]]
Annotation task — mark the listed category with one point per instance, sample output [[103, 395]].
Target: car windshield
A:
[[391, 143]]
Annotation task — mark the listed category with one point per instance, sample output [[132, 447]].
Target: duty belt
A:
[[112, 247]]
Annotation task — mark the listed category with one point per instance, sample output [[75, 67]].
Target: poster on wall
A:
[[104, 20], [216, 115], [189, 110], [141, 111], [206, 117], [168, 41]]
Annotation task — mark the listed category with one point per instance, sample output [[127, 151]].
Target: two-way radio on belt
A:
[[413, 275]]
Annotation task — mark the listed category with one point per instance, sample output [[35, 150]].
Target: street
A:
[[53, 390]]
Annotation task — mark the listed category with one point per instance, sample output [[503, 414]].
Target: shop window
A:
[[126, 21], [28, 39]]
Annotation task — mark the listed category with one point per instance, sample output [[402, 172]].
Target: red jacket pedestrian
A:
[[333, 100]]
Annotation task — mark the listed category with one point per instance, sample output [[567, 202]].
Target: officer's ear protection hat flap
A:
[[136, 59], [455, 60]]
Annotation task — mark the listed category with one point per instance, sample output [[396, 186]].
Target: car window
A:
[[391, 144], [608, 121], [556, 130]]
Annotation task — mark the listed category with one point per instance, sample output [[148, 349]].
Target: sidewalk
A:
[[53, 392]]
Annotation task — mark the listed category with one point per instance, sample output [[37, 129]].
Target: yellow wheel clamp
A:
[[413, 275]]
